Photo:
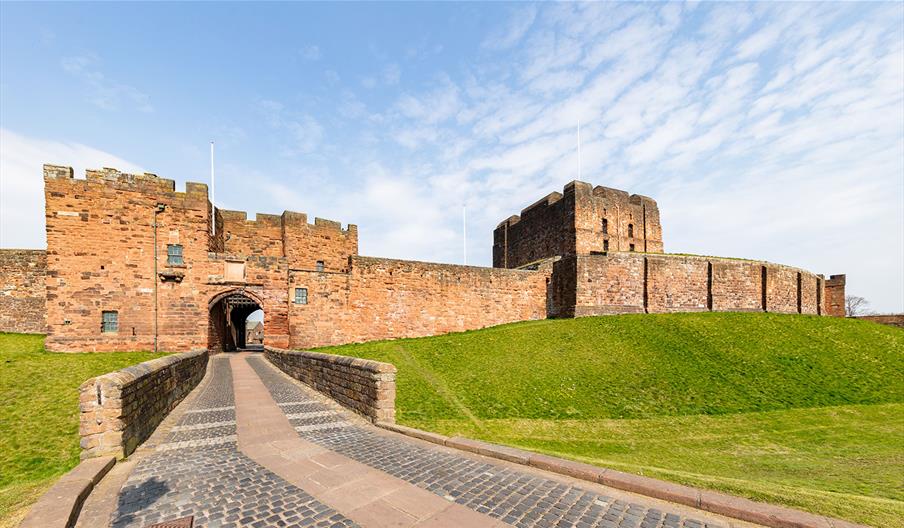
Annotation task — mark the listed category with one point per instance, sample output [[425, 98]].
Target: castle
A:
[[133, 264]]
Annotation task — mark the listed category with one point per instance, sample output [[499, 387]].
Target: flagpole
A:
[[213, 190], [464, 225]]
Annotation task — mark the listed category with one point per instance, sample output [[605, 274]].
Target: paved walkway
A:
[[255, 448]]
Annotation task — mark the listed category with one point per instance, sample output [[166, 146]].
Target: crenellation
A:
[[129, 247]]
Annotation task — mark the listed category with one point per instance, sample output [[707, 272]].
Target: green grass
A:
[[798, 410], [39, 415]]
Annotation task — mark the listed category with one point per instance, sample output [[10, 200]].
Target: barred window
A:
[[605, 245], [109, 321], [174, 254], [630, 230], [605, 226], [301, 296], [319, 265]]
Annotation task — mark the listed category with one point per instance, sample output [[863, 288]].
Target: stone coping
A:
[[719, 503], [59, 506], [119, 410], [129, 375], [376, 367]]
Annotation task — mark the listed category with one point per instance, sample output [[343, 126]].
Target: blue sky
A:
[[769, 130]]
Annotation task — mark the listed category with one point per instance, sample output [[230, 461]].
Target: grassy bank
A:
[[39, 415], [798, 410]]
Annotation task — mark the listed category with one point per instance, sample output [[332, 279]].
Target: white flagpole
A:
[[213, 190], [580, 161], [464, 225]]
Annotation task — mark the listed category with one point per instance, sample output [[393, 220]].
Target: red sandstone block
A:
[[651, 487], [566, 467], [757, 512], [509, 454]]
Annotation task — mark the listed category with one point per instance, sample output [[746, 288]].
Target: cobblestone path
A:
[[293, 460]]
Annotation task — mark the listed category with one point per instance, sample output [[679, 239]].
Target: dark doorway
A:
[[228, 321]]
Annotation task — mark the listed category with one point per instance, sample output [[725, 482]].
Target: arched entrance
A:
[[229, 312]]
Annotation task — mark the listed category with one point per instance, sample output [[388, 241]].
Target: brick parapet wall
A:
[[120, 410], [890, 319], [364, 386], [834, 296], [23, 294], [385, 298], [661, 283]]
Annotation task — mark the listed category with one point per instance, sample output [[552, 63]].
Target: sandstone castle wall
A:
[[22, 292], [638, 283], [586, 251], [581, 220]]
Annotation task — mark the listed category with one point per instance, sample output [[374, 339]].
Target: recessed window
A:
[[174, 254], [605, 245], [631, 247], [630, 230], [109, 321], [301, 296], [319, 265], [605, 226]]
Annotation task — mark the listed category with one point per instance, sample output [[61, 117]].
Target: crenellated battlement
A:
[[287, 220], [582, 219], [144, 183]]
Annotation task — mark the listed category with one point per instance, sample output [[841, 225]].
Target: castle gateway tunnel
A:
[[228, 319]]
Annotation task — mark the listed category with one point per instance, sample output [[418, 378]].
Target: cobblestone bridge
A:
[[253, 447]]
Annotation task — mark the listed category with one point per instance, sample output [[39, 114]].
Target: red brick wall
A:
[[22, 292], [737, 286], [545, 229], [624, 214], [890, 320], [677, 284], [262, 236], [571, 223], [384, 298], [834, 298], [324, 240], [630, 282], [609, 284]]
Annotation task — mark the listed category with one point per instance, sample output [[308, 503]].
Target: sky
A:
[[771, 131]]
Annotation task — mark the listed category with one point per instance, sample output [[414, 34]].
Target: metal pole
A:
[[464, 224], [156, 210], [213, 192], [579, 150]]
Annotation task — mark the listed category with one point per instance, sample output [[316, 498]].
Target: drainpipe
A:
[[157, 210]]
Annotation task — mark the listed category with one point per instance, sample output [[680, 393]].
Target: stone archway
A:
[[228, 311]]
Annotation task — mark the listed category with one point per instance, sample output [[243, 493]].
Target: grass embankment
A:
[[797, 410], [39, 415]]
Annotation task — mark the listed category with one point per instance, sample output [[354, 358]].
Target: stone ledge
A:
[[718, 503], [363, 386], [60, 505]]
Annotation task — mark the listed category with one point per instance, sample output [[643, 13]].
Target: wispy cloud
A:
[[22, 182], [104, 92]]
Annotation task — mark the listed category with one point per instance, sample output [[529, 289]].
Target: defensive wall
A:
[[134, 264], [662, 283], [22, 293]]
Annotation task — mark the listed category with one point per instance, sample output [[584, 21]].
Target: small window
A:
[[109, 321], [319, 265], [174, 254], [301, 296], [631, 247], [605, 226], [605, 245], [630, 230]]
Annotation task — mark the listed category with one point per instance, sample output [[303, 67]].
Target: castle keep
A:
[[133, 264]]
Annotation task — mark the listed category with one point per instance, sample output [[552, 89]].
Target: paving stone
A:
[[515, 497]]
